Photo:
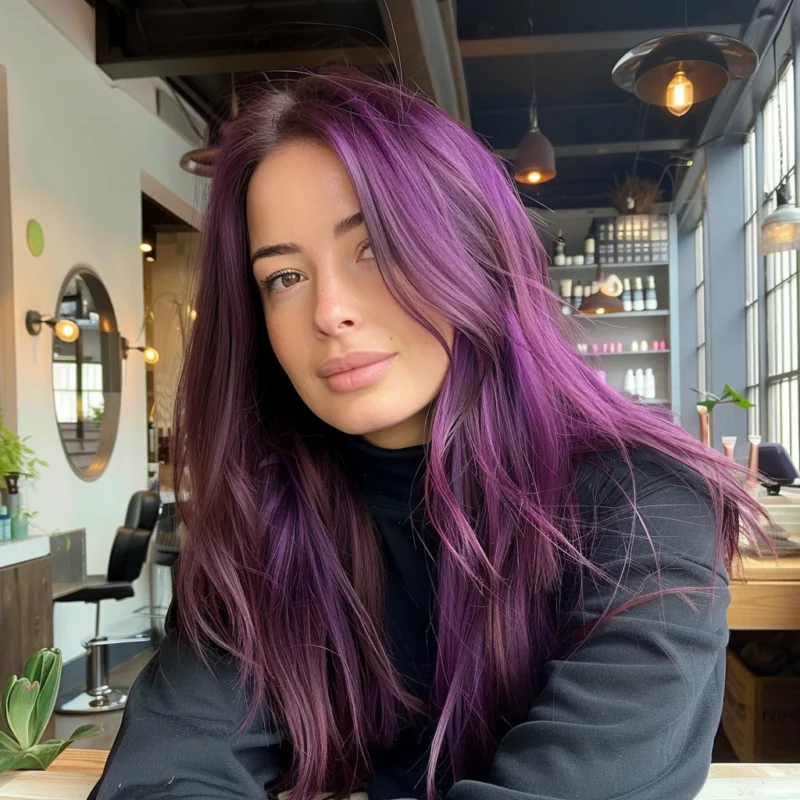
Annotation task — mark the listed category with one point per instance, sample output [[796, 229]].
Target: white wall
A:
[[80, 152]]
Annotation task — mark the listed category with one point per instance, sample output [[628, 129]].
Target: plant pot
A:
[[19, 527]]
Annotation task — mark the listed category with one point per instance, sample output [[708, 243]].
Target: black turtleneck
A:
[[631, 714]]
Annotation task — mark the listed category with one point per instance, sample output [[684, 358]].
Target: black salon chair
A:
[[128, 554]]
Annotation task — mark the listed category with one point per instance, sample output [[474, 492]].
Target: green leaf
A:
[[736, 398], [7, 744], [7, 691], [707, 395], [49, 679], [47, 752], [9, 761], [21, 702], [84, 732], [29, 760]]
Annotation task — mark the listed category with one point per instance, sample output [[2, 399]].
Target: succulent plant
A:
[[28, 704]]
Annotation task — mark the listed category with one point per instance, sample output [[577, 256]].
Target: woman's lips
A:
[[360, 377]]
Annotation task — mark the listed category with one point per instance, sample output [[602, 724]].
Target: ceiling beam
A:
[[422, 38], [574, 42], [117, 67], [610, 148]]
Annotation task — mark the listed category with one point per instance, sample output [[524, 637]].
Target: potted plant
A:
[[28, 704], [17, 460], [708, 401]]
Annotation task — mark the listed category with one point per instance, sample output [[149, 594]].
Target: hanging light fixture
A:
[[535, 159], [681, 69], [202, 160], [150, 354], [780, 230], [606, 300]]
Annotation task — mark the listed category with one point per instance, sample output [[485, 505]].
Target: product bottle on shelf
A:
[[560, 254], [638, 378], [627, 296], [650, 297], [577, 294], [638, 295], [589, 244], [649, 384], [629, 384], [566, 296]]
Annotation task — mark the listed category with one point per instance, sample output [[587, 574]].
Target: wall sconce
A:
[[150, 353], [66, 329]]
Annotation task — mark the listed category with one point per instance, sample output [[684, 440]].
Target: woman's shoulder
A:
[[643, 503], [610, 476]]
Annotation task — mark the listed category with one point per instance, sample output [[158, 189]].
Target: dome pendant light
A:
[[780, 230], [535, 160], [606, 300], [681, 69]]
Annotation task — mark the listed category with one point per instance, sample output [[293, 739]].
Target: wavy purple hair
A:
[[280, 568]]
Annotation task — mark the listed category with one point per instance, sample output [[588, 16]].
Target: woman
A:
[[429, 552]]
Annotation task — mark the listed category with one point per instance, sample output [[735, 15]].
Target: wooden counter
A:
[[74, 773], [765, 595]]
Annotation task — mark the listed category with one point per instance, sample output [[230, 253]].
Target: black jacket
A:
[[631, 715]]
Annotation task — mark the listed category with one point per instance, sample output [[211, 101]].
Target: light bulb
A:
[[680, 94], [149, 259], [600, 311], [67, 330], [534, 176], [150, 355], [146, 247]]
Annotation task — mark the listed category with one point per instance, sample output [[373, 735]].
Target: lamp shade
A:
[[708, 62], [780, 231], [535, 161], [601, 303]]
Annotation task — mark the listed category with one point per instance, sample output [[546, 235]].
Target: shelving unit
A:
[[628, 326]]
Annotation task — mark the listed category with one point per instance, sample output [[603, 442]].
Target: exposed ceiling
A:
[[485, 76]]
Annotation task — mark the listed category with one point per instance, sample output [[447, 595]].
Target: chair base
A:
[[84, 703]]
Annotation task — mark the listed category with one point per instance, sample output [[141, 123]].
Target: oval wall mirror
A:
[[87, 375]]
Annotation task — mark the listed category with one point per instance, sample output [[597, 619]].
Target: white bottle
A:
[[629, 384], [649, 384], [650, 296], [638, 295], [638, 378]]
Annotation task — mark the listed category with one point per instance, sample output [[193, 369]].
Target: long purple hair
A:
[[280, 568]]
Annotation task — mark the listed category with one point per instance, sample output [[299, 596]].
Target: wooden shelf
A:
[[661, 312], [625, 353], [608, 267]]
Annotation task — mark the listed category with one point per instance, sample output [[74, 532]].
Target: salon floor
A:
[[123, 676], [126, 673]]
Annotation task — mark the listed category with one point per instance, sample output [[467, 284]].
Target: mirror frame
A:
[[112, 389]]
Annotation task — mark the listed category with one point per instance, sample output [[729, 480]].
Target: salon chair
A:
[[128, 554]]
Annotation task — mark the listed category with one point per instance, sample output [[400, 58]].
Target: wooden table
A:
[[765, 595], [73, 774]]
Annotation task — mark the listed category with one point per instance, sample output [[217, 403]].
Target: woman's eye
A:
[[280, 282], [367, 252]]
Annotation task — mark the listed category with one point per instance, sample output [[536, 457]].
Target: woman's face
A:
[[324, 298]]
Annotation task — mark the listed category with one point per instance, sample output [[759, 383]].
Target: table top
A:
[[768, 569], [73, 774]]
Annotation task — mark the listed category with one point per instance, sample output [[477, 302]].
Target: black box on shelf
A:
[[633, 239]]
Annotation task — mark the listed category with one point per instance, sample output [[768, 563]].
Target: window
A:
[[700, 305], [781, 282], [751, 266], [65, 391]]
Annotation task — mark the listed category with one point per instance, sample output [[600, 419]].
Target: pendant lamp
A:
[[681, 69], [535, 160], [606, 300], [780, 231]]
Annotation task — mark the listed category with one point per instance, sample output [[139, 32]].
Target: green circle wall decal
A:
[[35, 236]]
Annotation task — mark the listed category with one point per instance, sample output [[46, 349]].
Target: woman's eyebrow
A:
[[290, 248]]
